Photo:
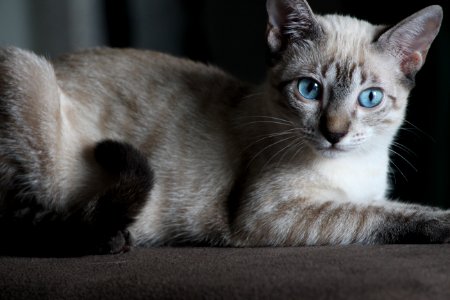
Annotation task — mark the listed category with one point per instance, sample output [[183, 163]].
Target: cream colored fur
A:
[[236, 164]]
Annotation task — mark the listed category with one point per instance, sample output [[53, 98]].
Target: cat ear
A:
[[410, 39], [289, 20]]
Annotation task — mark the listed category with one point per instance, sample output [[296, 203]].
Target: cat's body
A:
[[233, 164], [180, 115]]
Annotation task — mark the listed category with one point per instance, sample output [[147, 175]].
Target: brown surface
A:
[[351, 272]]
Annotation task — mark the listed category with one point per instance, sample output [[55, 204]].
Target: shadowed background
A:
[[230, 34]]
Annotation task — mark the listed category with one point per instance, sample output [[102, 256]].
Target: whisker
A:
[[407, 161], [391, 174], [264, 137], [270, 122], [277, 133], [264, 119], [398, 169], [278, 152], [267, 147], [301, 146], [299, 142], [410, 130], [270, 117], [253, 95], [404, 148], [421, 131]]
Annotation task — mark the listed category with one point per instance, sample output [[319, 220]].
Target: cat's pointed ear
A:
[[410, 40], [289, 20]]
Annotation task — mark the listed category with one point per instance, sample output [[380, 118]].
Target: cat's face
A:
[[343, 82], [341, 91]]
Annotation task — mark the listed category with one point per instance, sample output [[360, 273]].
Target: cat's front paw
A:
[[120, 242], [432, 227]]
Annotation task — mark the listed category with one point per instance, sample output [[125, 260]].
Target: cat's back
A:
[[134, 71], [125, 90], [101, 61]]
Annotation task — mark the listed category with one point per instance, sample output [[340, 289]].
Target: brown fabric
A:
[[350, 272]]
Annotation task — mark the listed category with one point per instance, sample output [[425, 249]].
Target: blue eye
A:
[[370, 98], [309, 88]]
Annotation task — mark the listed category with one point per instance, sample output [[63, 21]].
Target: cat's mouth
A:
[[325, 148], [332, 150]]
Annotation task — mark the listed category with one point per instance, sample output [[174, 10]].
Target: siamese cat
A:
[[106, 148]]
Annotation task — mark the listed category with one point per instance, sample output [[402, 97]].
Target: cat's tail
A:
[[90, 226], [105, 219]]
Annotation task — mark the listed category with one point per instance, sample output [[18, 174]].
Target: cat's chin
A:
[[332, 151]]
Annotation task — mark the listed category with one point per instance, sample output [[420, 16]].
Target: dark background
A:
[[230, 34]]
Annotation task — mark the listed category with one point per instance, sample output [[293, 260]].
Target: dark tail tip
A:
[[117, 157], [134, 180]]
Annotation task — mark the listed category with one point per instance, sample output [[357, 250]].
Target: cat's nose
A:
[[334, 137], [334, 129]]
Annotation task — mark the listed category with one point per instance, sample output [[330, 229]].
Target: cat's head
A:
[[344, 82]]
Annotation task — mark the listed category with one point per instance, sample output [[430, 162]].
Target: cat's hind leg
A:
[[99, 225], [89, 226], [30, 123], [59, 196], [108, 215]]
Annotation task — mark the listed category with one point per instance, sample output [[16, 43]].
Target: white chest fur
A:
[[355, 179]]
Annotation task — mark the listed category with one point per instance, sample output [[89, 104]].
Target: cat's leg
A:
[[30, 124], [30, 132], [58, 193], [95, 226], [303, 222], [100, 225]]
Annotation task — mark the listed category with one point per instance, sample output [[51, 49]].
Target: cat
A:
[[104, 144]]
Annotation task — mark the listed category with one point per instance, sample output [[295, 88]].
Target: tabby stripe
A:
[[325, 69], [313, 223], [363, 77], [338, 70], [394, 102], [351, 72]]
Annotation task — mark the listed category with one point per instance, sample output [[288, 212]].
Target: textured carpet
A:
[[350, 272]]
